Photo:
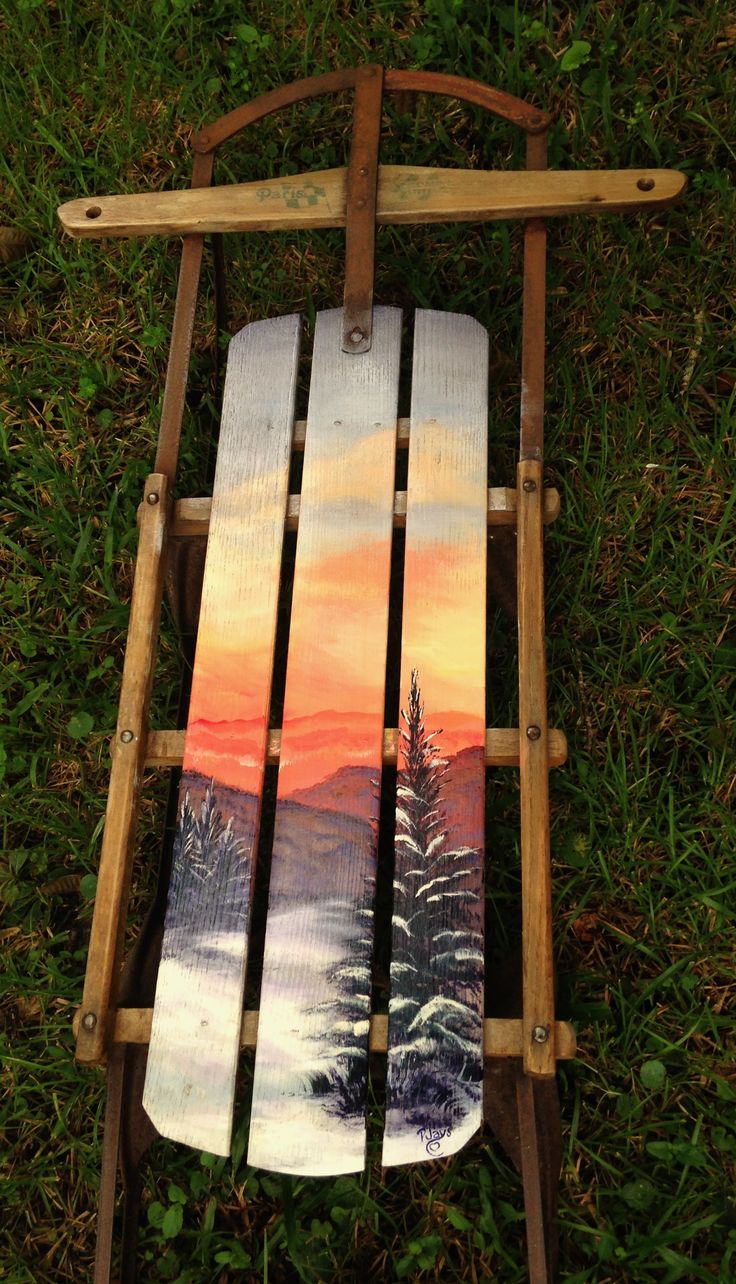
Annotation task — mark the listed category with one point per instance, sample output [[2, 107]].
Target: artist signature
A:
[[432, 1138], [293, 196]]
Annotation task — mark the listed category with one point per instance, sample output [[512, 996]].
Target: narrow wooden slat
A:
[[116, 857], [310, 1081], [435, 1058], [166, 748], [406, 194], [190, 1077], [536, 878], [191, 516], [501, 1037]]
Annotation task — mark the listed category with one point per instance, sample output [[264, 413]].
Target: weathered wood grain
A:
[[195, 1039], [406, 194], [435, 1058]]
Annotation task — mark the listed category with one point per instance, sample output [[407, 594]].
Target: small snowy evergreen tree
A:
[[437, 966]]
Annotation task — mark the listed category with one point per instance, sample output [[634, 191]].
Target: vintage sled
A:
[[171, 1025]]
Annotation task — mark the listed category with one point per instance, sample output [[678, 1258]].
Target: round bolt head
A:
[[89, 1021], [126, 736], [645, 184], [529, 485], [540, 1034], [152, 497], [356, 336], [533, 733]]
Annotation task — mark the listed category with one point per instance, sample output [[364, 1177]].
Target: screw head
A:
[[126, 736], [356, 336], [645, 184], [529, 485], [152, 497], [89, 1021], [533, 733], [540, 1034]]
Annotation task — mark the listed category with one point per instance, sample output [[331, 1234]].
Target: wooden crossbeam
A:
[[501, 1037], [191, 516], [166, 748], [406, 194]]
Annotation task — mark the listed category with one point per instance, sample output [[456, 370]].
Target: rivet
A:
[[360, 205], [356, 335], [89, 1021], [529, 486], [363, 170], [533, 733], [540, 1033], [126, 736], [645, 184], [152, 497]]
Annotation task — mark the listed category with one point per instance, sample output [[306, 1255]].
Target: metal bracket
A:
[[360, 231]]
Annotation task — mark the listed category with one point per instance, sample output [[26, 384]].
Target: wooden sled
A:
[[181, 991]]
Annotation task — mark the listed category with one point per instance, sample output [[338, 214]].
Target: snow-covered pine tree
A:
[[437, 967]]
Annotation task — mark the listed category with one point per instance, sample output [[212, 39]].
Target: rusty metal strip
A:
[[177, 372], [332, 82], [360, 212], [532, 342], [509, 108], [531, 1176]]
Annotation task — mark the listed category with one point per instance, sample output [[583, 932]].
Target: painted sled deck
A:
[[310, 1084]]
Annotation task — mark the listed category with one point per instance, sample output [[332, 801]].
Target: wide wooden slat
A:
[[191, 516], [195, 1039], [310, 1082], [406, 194], [435, 1057], [166, 748], [501, 1037]]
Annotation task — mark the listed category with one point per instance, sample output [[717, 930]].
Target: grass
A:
[[640, 395]]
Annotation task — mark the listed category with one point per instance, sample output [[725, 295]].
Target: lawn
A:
[[101, 97]]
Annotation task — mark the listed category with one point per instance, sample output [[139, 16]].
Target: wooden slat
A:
[[501, 1037], [536, 877], [191, 516], [166, 748], [435, 1058], [190, 1077], [406, 194], [116, 857], [310, 1080]]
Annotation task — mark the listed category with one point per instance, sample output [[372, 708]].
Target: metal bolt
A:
[[152, 497], [535, 118], [360, 205], [533, 733], [89, 1021], [645, 184], [126, 736], [356, 336], [540, 1033], [529, 485], [363, 170]]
